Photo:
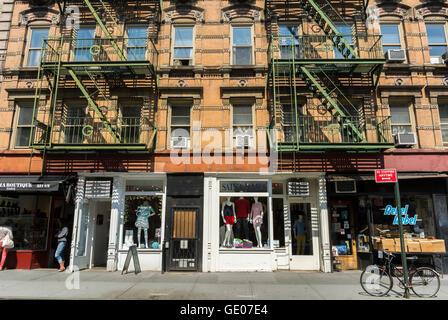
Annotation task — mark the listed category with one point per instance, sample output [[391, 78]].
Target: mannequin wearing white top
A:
[[229, 224], [257, 224]]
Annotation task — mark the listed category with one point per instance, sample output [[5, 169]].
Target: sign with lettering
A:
[[298, 189], [235, 186], [389, 210], [385, 175], [132, 253]]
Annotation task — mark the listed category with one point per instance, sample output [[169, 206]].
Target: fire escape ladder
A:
[[318, 13]]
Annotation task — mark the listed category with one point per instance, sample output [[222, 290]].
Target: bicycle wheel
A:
[[425, 282], [376, 281]]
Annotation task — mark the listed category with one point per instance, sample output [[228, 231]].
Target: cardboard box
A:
[[413, 246], [438, 245], [387, 245], [426, 245]]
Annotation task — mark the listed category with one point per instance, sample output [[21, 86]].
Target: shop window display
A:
[[341, 234], [142, 221], [301, 229], [243, 222], [29, 217], [280, 215]]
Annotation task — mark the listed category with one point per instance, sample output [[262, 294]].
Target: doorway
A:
[[304, 249], [101, 238]]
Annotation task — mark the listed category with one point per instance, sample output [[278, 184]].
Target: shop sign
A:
[[233, 186], [404, 212], [386, 175], [298, 189]]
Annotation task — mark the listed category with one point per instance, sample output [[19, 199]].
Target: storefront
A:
[[114, 212], [360, 213], [276, 226], [34, 206]]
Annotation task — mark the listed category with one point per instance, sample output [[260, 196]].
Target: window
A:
[[85, 39], [24, 124], [142, 221], [180, 126], [443, 112], [390, 37], [136, 43], [400, 111], [74, 120], [35, 46], [346, 31], [242, 46], [289, 42], [130, 122], [436, 41], [183, 46], [242, 125]]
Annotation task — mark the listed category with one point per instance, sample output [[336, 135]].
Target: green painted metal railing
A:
[[323, 132], [320, 47], [89, 132]]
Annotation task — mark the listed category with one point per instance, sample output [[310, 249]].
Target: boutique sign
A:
[[234, 186], [389, 210]]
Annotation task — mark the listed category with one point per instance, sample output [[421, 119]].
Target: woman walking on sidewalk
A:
[[62, 241], [6, 242]]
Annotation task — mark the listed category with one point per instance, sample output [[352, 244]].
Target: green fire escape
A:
[[91, 69], [331, 58]]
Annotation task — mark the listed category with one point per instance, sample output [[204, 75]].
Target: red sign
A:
[[386, 175]]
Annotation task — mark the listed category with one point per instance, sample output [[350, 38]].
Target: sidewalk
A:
[[99, 284]]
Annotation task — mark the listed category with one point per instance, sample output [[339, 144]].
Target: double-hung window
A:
[[136, 43], [390, 37], [242, 46], [73, 121], [35, 46], [131, 121], [242, 125], [401, 117], [289, 42], [24, 124], [436, 41], [443, 113], [180, 126], [183, 46], [346, 32], [85, 39]]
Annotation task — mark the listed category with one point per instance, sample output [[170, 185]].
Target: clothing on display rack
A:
[[256, 214]]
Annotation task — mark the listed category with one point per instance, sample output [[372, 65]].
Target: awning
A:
[[31, 183]]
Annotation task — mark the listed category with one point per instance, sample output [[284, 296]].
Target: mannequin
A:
[[229, 218], [143, 212], [300, 234], [242, 209], [256, 218]]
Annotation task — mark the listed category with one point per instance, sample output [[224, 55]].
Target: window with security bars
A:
[[184, 224], [130, 124], [73, 121]]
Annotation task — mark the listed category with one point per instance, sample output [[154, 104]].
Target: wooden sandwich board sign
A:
[[132, 252]]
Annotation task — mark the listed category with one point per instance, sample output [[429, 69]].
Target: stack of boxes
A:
[[412, 245]]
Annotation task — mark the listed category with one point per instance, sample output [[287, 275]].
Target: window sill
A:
[[244, 250]]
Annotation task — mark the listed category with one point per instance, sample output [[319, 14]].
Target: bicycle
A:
[[377, 280]]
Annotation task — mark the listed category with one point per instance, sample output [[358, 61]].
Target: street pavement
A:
[[100, 284]]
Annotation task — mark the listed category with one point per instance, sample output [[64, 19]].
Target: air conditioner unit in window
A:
[[436, 60], [396, 55], [348, 186], [405, 139], [180, 142], [182, 62], [242, 141], [445, 57]]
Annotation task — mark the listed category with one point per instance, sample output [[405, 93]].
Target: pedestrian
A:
[[6, 242], [62, 241]]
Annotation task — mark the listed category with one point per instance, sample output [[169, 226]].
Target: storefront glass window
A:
[[251, 228], [143, 185], [142, 221], [28, 216], [280, 215], [417, 205], [301, 229]]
